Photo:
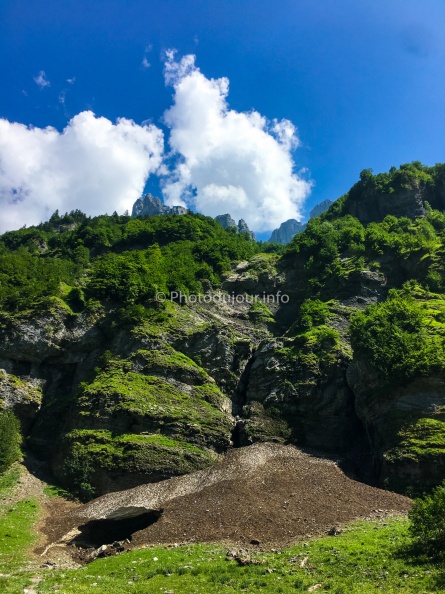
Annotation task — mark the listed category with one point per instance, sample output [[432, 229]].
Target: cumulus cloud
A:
[[93, 165], [228, 161], [41, 80]]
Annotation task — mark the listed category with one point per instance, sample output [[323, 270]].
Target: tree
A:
[[9, 439]]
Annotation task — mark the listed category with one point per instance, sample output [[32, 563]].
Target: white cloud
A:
[[41, 80], [145, 63], [228, 161], [71, 81], [93, 165]]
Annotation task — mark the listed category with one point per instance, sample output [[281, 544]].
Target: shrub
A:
[[399, 337], [427, 517], [10, 439], [313, 312], [78, 470]]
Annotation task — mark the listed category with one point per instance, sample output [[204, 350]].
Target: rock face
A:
[[286, 231], [405, 426], [23, 397], [174, 396], [225, 221], [151, 416], [109, 409], [243, 228], [320, 208], [151, 205], [368, 205], [297, 390], [257, 276]]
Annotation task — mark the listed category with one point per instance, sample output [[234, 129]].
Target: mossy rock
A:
[[263, 425], [416, 461], [23, 397], [121, 399], [92, 462], [155, 414]]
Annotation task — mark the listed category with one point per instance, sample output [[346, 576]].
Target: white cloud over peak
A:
[[93, 165], [229, 161], [41, 80]]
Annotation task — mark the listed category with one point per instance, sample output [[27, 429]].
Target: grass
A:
[[52, 490], [368, 557], [8, 479], [421, 439], [16, 534]]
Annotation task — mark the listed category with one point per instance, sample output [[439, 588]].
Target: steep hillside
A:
[[135, 350]]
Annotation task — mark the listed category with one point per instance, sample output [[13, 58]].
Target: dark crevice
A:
[[237, 438], [240, 396], [100, 532], [238, 403]]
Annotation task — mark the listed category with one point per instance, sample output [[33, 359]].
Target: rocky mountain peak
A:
[[150, 205], [225, 221], [286, 231], [319, 208], [243, 228]]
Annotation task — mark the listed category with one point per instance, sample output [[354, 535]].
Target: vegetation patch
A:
[[259, 313], [15, 533], [88, 451], [404, 336], [421, 440], [10, 439], [367, 557]]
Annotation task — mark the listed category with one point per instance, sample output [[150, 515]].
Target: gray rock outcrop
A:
[[225, 221], [287, 231], [394, 416], [320, 208], [243, 228], [151, 205], [369, 205]]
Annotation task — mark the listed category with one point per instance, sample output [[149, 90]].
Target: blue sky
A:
[[362, 82]]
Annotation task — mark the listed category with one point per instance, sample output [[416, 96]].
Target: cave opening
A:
[[103, 532]]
